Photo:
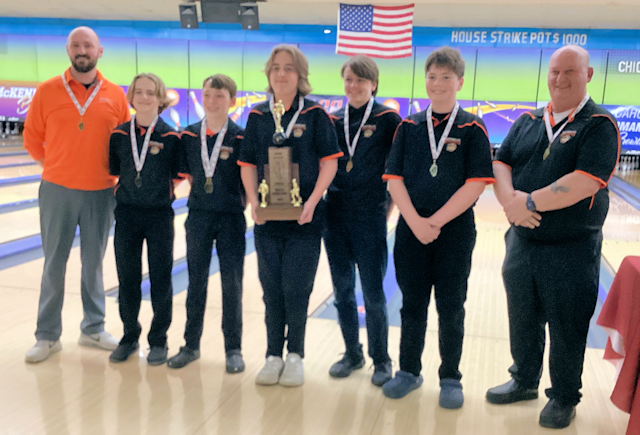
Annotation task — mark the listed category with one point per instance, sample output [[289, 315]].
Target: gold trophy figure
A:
[[296, 200], [263, 190], [279, 136]]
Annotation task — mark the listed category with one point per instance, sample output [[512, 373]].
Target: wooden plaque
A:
[[278, 175]]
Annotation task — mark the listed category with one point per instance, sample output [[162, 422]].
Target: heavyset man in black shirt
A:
[[551, 178]]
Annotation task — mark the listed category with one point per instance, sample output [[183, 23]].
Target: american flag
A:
[[377, 31]]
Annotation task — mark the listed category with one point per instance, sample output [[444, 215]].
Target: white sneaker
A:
[[293, 373], [102, 340], [271, 371], [42, 350]]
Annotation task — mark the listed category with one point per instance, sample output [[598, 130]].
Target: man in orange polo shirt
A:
[[67, 132]]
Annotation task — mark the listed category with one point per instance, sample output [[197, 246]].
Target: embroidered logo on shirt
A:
[[298, 129], [225, 152], [452, 144], [155, 147], [566, 136], [367, 130]]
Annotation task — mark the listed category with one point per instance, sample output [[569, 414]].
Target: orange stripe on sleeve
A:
[[121, 132], [469, 124], [591, 204], [255, 111], [239, 137], [501, 163], [332, 156], [189, 133], [602, 183], [487, 180], [245, 164], [387, 177]]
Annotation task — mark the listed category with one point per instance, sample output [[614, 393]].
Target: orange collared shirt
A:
[[72, 158]]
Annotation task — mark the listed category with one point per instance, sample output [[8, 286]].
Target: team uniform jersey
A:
[[466, 157], [312, 140], [228, 193], [161, 166], [589, 144], [362, 188]]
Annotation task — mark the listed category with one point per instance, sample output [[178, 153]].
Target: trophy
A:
[[279, 190]]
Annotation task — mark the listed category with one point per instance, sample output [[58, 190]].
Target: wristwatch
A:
[[531, 206]]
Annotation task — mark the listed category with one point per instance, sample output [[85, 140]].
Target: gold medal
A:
[[224, 155], [208, 186], [546, 152], [433, 170], [349, 165], [138, 181], [81, 125]]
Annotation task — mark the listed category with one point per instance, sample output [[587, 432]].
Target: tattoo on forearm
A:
[[555, 188]]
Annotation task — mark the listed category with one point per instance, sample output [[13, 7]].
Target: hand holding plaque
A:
[[279, 190]]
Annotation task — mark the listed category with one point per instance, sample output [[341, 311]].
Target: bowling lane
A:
[[19, 171], [20, 192], [25, 223], [621, 231], [12, 160]]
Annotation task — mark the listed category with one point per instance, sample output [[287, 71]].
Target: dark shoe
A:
[[556, 415], [381, 374], [401, 385], [510, 392], [346, 365], [157, 355], [123, 352], [235, 363], [451, 396], [184, 357]]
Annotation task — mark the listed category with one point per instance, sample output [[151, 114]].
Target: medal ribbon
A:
[[139, 159], [547, 121], [209, 163], [352, 146], [81, 109], [436, 151]]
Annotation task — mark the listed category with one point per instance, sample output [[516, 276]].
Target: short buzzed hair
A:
[[221, 81], [446, 57]]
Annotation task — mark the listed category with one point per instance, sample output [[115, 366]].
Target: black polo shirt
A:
[[160, 168], [590, 144], [363, 188], [228, 192], [466, 157], [312, 140]]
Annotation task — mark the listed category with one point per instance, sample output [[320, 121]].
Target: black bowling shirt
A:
[[312, 140], [362, 189], [228, 192], [589, 144], [161, 167], [466, 157]]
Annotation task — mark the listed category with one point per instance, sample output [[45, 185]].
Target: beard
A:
[[86, 66]]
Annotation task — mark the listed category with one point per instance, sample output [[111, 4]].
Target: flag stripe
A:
[[347, 38], [394, 8], [393, 45], [397, 25], [391, 17], [377, 53]]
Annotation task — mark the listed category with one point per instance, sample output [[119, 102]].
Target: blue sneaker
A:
[[451, 396], [401, 385]]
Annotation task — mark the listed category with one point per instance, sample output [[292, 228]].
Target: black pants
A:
[[352, 239], [228, 232], [287, 265], [444, 264], [133, 226], [555, 283]]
